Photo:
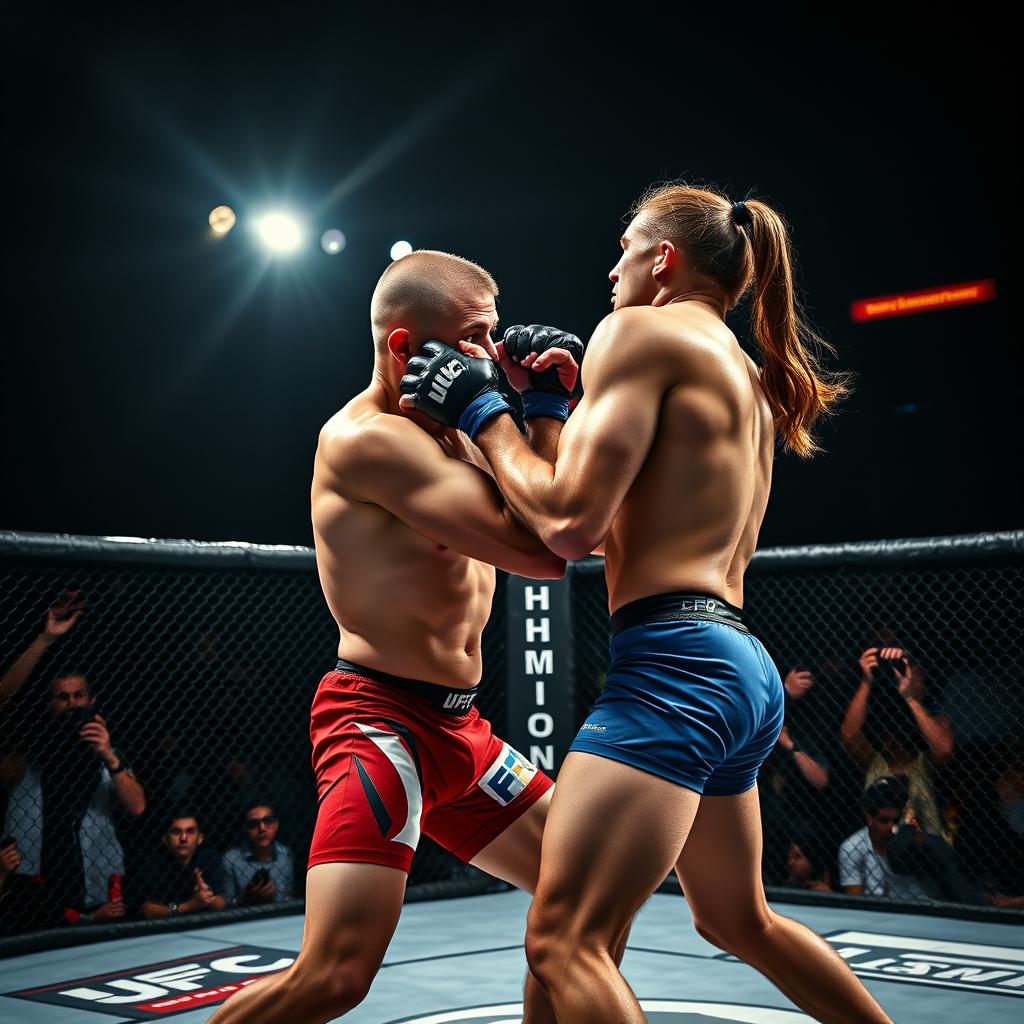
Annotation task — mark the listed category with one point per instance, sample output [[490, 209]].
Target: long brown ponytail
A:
[[741, 244]]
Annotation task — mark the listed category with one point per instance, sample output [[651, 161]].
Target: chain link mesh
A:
[[958, 759], [203, 679]]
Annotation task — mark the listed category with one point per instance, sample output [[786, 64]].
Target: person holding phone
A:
[[65, 785], [261, 870], [892, 728]]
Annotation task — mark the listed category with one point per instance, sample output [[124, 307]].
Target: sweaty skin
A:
[[400, 519], [691, 519], [668, 457], [404, 520], [668, 460]]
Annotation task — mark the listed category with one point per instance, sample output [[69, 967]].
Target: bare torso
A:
[[691, 518], [404, 604]]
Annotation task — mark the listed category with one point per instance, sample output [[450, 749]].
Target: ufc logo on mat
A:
[[508, 776], [443, 381]]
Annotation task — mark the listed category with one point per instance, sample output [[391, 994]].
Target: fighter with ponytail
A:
[[666, 462], [745, 246]]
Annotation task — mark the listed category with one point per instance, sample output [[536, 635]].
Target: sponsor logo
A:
[[443, 380], [658, 1011], [456, 701], [508, 776], [593, 728], [975, 967], [160, 990]]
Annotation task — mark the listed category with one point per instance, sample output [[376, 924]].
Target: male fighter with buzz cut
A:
[[667, 459], [408, 525]]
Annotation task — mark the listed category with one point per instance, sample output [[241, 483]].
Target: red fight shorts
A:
[[391, 764]]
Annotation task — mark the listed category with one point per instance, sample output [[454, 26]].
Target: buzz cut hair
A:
[[418, 290]]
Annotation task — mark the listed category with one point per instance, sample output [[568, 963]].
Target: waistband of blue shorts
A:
[[448, 700], [677, 606]]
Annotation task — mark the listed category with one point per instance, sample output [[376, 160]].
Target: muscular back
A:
[[689, 519], [404, 526]]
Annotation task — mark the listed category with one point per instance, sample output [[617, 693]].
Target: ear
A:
[[199, 839], [667, 258], [398, 345]]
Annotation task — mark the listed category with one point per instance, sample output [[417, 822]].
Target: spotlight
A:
[[280, 232], [400, 249], [332, 241], [222, 219]]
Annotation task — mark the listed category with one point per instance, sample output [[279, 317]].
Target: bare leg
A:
[[515, 857], [352, 911], [613, 835], [720, 871]]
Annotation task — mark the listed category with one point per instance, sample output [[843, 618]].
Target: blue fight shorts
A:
[[691, 696]]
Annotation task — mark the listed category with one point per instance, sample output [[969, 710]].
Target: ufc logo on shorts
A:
[[443, 381], [508, 776]]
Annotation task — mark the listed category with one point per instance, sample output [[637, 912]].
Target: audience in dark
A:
[[864, 868], [262, 869], [184, 877], [807, 866], [793, 778], [67, 782], [892, 727]]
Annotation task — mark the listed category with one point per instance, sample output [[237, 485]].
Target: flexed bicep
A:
[[403, 470]]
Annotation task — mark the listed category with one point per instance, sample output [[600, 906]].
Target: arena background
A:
[[160, 382], [163, 383]]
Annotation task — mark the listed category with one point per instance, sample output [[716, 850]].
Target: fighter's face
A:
[[632, 278], [473, 318]]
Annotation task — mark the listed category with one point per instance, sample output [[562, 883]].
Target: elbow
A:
[[546, 566], [573, 537]]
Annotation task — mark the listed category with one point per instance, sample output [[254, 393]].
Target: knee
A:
[[333, 990], [542, 943], [737, 934], [559, 948]]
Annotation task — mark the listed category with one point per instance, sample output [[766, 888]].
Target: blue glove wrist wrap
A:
[[483, 408]]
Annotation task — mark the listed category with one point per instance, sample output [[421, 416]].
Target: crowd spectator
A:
[[185, 876], [25, 903], [892, 728], [262, 869], [864, 867], [67, 783], [806, 866], [991, 834], [792, 779]]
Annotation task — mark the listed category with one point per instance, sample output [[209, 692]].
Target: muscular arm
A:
[[392, 463], [542, 434], [570, 505]]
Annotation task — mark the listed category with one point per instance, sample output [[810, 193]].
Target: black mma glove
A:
[[546, 395], [454, 389]]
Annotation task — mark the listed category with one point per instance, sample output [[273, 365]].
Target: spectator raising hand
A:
[[61, 618]]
